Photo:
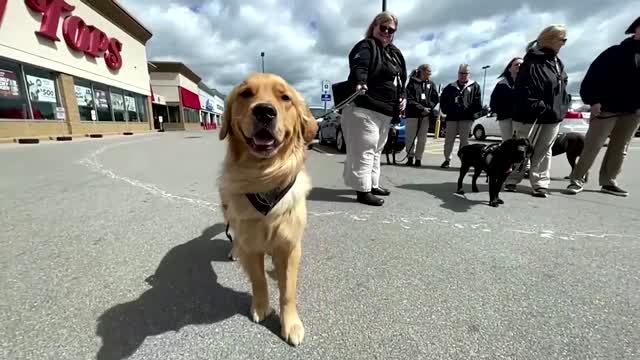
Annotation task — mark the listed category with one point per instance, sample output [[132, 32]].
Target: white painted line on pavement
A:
[[92, 163]]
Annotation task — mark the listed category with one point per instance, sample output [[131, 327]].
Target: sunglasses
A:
[[387, 29]]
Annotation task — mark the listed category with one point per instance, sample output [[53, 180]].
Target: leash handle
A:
[[344, 103]]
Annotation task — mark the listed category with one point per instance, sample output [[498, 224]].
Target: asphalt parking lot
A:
[[114, 248]]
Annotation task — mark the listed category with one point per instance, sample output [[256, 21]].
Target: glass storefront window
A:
[[13, 102], [117, 102], [84, 98], [142, 107], [131, 107], [43, 92], [103, 102]]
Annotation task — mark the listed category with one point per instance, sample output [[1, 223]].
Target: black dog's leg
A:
[[571, 158], [493, 191], [476, 175], [499, 184], [464, 169]]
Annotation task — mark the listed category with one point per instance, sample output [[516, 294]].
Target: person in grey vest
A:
[[611, 88], [422, 97]]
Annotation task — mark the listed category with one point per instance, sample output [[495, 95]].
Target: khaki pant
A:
[[542, 138], [620, 128], [416, 139], [506, 128], [460, 127], [365, 134]]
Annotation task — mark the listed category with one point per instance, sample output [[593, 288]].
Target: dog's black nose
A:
[[264, 112]]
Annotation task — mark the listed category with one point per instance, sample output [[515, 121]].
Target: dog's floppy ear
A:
[[225, 128], [308, 123]]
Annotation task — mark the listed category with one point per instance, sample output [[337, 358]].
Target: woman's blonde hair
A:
[[382, 17], [547, 36]]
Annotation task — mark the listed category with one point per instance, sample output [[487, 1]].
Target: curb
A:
[[38, 139], [28, 141]]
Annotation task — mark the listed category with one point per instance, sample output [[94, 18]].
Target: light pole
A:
[[384, 5], [262, 56], [484, 81]]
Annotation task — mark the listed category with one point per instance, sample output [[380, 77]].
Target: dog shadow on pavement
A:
[[446, 192], [331, 195], [184, 291]]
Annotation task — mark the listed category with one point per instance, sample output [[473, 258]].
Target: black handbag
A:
[[342, 91]]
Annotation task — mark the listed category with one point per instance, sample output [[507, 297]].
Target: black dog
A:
[[572, 144], [496, 160], [390, 146]]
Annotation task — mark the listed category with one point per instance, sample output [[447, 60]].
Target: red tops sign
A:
[[77, 34]]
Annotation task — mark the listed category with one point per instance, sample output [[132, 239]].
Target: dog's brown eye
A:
[[246, 93], [286, 97]]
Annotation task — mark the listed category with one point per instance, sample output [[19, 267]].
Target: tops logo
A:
[[3, 6], [77, 34]]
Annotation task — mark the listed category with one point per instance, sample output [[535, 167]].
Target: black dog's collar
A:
[[266, 201]]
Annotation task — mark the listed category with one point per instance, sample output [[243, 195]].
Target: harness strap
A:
[[265, 202]]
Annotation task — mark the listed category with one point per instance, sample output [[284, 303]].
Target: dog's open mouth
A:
[[263, 142]]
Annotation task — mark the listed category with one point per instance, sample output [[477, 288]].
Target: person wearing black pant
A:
[[502, 98], [378, 67], [422, 97]]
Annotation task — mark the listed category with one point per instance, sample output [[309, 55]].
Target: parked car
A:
[[317, 114], [576, 119], [330, 132]]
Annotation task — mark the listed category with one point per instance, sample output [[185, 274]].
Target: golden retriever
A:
[[269, 126]]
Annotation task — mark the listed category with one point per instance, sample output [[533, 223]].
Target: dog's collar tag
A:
[[266, 201]]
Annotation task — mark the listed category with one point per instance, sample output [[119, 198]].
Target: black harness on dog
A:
[[488, 150], [265, 202]]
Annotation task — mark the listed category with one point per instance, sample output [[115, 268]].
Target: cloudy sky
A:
[[307, 41]]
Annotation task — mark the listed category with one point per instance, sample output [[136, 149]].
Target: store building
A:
[[72, 67], [179, 86], [212, 105]]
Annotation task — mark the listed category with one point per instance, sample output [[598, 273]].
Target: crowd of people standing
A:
[[530, 100]]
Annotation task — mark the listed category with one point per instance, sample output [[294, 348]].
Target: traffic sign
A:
[[325, 86], [326, 97]]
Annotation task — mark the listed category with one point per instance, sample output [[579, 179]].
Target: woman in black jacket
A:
[[541, 101], [378, 67], [502, 97], [422, 97]]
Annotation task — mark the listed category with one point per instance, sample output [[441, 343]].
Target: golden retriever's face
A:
[[266, 113]]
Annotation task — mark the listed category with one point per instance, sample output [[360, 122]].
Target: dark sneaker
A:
[[614, 190], [418, 163], [445, 164], [368, 198], [380, 191], [574, 189], [510, 188], [541, 192], [410, 161]]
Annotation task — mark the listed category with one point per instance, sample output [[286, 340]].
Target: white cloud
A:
[[308, 41]]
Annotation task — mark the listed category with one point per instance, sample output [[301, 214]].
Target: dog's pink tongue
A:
[[263, 141]]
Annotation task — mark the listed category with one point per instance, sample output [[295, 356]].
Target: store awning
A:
[[189, 99]]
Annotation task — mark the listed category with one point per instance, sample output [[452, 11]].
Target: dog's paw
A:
[[260, 311], [500, 201], [460, 192], [293, 332], [494, 203], [475, 190]]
